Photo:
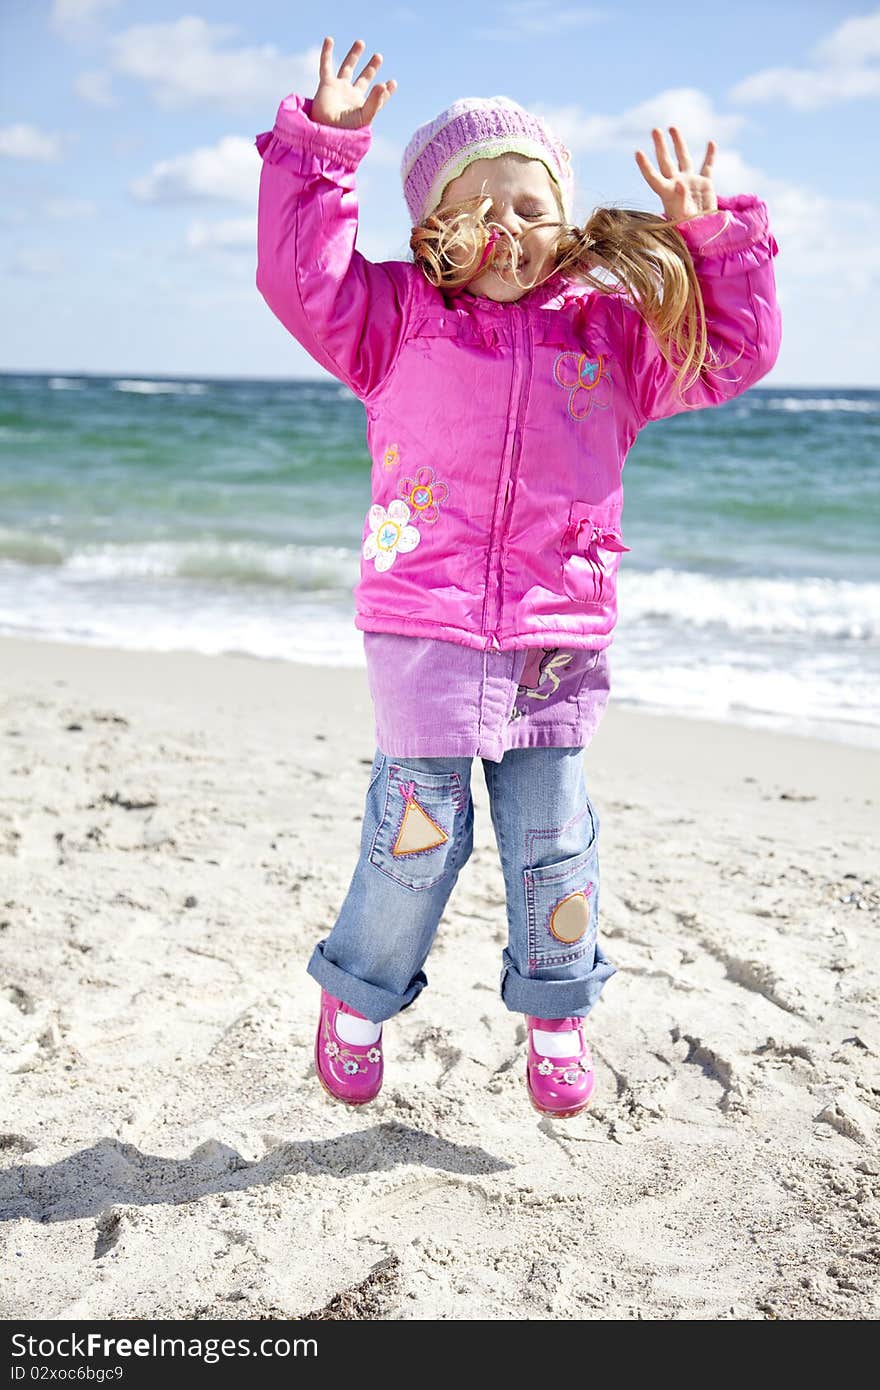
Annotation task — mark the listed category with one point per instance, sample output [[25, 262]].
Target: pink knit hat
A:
[[478, 128]]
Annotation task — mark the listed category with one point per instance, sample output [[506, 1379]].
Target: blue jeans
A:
[[418, 834]]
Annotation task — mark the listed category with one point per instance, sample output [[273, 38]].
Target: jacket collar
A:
[[558, 285]]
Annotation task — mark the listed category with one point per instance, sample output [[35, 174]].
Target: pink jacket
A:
[[497, 432]]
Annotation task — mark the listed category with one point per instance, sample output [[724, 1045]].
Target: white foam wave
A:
[[66, 383], [719, 689], [827, 403], [830, 608], [239, 562], [314, 635], [156, 388]]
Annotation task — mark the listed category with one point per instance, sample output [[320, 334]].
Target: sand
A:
[[176, 832]]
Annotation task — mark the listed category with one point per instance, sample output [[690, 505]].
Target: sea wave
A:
[[25, 548], [826, 403], [296, 567], [829, 608], [157, 388], [713, 688]]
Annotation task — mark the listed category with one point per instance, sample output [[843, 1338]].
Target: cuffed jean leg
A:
[[547, 829], [417, 836]]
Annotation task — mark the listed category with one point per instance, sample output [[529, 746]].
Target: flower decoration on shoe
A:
[[389, 533], [424, 494], [350, 1072]]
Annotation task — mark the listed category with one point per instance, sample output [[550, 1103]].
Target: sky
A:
[[129, 174]]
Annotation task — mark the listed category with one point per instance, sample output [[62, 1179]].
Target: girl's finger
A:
[[662, 153], [350, 59], [326, 71], [710, 158], [371, 105], [369, 71], [685, 162], [649, 172], [374, 101]]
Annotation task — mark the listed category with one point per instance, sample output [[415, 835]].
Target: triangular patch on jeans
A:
[[418, 830]]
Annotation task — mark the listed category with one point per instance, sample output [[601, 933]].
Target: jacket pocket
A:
[[452, 324], [590, 547], [562, 907], [421, 828]]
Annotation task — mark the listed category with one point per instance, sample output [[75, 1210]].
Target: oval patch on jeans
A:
[[571, 917]]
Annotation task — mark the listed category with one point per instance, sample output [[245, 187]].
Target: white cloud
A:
[[79, 11], [123, 145], [526, 19], [94, 88], [823, 241], [808, 90], [38, 261], [70, 209], [826, 241], [842, 71], [687, 107], [854, 41], [27, 142], [79, 21], [58, 209], [227, 172], [185, 63], [384, 152], [232, 234]]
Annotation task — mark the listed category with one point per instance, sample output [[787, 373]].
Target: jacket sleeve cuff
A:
[[294, 128], [741, 221]]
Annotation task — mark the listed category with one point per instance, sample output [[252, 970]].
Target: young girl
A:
[[504, 384]]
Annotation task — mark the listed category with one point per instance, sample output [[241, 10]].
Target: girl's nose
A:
[[510, 221]]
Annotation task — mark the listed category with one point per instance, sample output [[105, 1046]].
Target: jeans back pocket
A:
[[562, 907], [421, 825]]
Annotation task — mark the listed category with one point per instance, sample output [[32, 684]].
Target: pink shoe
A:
[[348, 1071], [560, 1086]]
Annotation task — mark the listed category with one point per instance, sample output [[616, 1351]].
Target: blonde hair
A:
[[642, 251]]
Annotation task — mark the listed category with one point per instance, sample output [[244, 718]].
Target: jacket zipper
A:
[[519, 390]]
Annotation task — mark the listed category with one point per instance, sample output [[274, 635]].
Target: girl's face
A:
[[524, 202]]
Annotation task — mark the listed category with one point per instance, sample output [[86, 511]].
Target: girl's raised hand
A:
[[341, 102], [684, 194]]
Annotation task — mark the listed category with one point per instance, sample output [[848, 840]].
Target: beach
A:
[[178, 829]]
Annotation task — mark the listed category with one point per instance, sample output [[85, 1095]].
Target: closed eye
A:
[[531, 211]]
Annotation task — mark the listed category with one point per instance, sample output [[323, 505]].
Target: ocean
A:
[[226, 516]]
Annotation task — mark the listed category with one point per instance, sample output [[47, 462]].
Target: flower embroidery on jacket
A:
[[586, 380], [424, 494], [391, 455], [389, 533]]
